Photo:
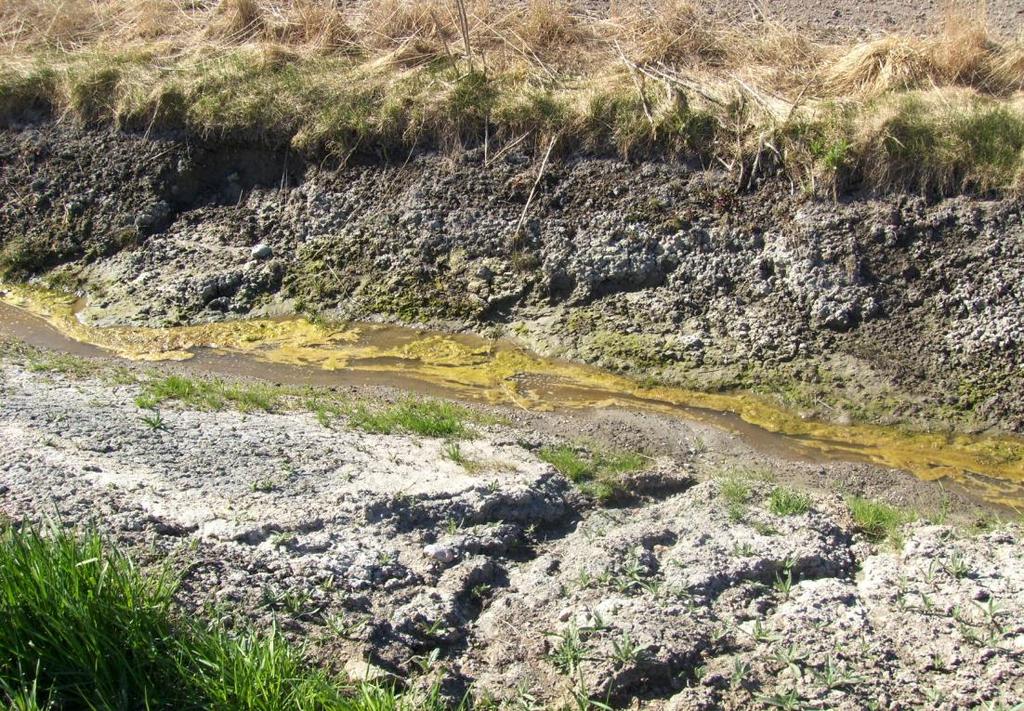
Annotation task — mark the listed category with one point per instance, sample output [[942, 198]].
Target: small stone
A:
[[262, 251], [358, 670], [440, 552]]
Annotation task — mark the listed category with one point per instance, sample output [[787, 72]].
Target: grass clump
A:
[[453, 452], [43, 361], [941, 143], [570, 463], [64, 364], [85, 629], [598, 474], [428, 418], [788, 502], [878, 521], [736, 493], [256, 670], [325, 410], [209, 394], [82, 623]]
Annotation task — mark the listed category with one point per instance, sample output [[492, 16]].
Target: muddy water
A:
[[296, 351]]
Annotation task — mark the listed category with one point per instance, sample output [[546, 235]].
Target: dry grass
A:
[[390, 25], [382, 75], [238, 21], [886, 64], [549, 36], [44, 23], [317, 25], [675, 32], [963, 54], [549, 28]]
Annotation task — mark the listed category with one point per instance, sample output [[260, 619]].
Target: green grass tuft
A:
[[597, 474], [978, 147], [85, 629], [325, 410], [736, 493], [428, 418], [64, 364], [82, 623], [24, 698], [788, 502], [572, 465], [256, 671], [209, 394], [878, 521], [453, 451]]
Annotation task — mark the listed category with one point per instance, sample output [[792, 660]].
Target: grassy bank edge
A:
[[941, 140]]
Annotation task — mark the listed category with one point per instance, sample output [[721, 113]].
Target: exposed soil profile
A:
[[879, 309], [455, 355]]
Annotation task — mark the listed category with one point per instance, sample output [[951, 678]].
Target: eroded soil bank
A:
[[730, 578], [888, 310]]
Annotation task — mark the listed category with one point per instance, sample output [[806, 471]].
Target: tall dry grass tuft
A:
[[51, 24], [151, 20], [888, 64], [411, 31], [962, 54], [963, 51], [673, 32], [772, 43], [238, 21], [319, 24], [549, 28], [1007, 69]]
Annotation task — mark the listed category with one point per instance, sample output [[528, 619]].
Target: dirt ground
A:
[[885, 308], [704, 592], [833, 19]]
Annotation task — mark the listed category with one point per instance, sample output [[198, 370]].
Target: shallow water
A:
[[298, 351]]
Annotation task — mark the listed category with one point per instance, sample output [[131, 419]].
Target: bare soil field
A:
[[833, 19]]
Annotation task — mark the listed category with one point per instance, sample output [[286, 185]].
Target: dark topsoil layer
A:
[[892, 308]]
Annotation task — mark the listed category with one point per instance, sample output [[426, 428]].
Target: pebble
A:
[[261, 251], [440, 552]]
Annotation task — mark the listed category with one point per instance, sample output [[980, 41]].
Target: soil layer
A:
[[881, 309]]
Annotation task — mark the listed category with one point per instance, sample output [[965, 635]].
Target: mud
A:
[[376, 550]]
